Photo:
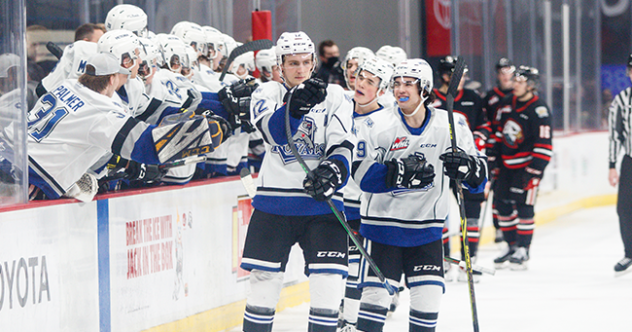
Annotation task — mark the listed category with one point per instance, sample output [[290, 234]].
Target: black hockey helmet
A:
[[447, 64], [630, 61], [503, 63], [530, 74]]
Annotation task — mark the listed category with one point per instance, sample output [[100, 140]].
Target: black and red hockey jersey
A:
[[523, 136], [468, 103], [492, 100]]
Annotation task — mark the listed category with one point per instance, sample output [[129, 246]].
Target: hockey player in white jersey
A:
[[372, 79], [265, 60], [393, 54], [407, 198], [289, 207], [354, 58], [76, 124], [127, 17]]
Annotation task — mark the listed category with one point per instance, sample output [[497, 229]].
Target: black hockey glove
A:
[[227, 129], [143, 172], [412, 172], [325, 179], [305, 96], [236, 98], [458, 165], [531, 178]]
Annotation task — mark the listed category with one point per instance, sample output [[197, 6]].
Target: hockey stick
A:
[[476, 268], [454, 83], [248, 182], [54, 49], [255, 45], [290, 141]]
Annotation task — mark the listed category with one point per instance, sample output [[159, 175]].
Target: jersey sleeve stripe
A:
[[121, 136]]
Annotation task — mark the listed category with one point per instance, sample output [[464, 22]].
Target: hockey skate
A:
[[623, 266], [348, 328], [518, 261], [499, 261]]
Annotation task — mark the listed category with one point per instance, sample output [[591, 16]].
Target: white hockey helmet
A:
[[265, 60], [7, 61], [174, 51], [192, 34], [127, 17], [229, 44], [392, 54], [215, 41], [360, 53], [149, 54], [294, 43], [380, 68], [418, 69], [123, 44], [247, 61]]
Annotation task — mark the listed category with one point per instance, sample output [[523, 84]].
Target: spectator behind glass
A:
[[89, 32], [330, 70]]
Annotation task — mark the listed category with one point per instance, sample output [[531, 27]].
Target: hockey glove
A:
[[143, 172], [531, 178], [458, 165], [227, 129], [324, 180], [305, 96], [412, 172], [236, 98]]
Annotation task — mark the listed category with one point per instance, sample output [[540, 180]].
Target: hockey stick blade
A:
[[341, 218], [476, 268], [54, 49], [248, 182], [255, 45]]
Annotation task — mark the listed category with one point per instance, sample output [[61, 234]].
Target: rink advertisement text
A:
[[149, 246], [21, 279]]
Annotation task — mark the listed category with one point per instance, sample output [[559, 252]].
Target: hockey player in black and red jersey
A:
[[504, 87], [469, 104], [290, 207], [522, 147]]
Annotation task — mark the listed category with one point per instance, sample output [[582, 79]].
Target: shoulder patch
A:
[[542, 111]]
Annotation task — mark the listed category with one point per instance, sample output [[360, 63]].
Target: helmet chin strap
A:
[[418, 107], [377, 95]]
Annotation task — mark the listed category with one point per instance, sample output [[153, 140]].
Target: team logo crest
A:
[[400, 143], [493, 100], [542, 112], [304, 141], [369, 122], [513, 134]]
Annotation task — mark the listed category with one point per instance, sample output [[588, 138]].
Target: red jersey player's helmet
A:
[[530, 74], [504, 63], [447, 64]]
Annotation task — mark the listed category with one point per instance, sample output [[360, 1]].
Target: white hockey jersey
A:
[[364, 125], [405, 217], [323, 133], [71, 128], [72, 63]]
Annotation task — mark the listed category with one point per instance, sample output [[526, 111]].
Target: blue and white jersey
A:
[[72, 63], [404, 217], [323, 133], [364, 125], [72, 127], [208, 78]]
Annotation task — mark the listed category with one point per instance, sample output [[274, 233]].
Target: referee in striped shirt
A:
[[620, 130]]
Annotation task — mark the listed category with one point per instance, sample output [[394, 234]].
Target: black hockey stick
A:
[[255, 45], [54, 49], [290, 141], [454, 83]]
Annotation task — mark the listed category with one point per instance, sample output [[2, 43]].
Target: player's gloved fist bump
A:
[[236, 97], [412, 172], [305, 96], [324, 180], [458, 165]]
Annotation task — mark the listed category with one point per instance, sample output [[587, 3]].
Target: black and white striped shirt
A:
[[620, 125]]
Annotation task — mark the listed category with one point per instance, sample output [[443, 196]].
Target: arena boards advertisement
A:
[[49, 269], [175, 253]]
